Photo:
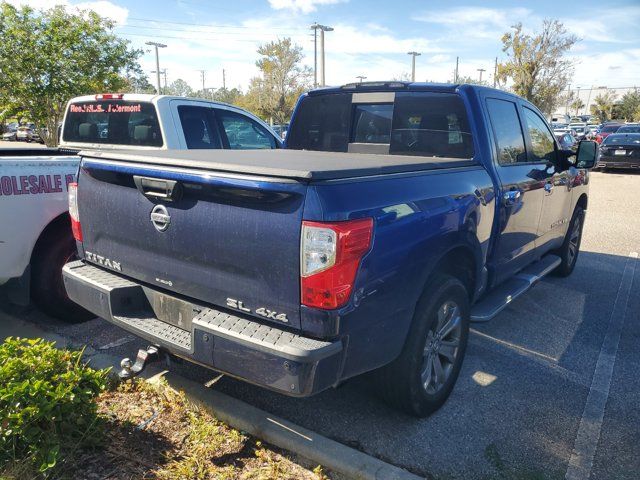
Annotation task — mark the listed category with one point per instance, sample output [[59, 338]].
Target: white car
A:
[[36, 239]]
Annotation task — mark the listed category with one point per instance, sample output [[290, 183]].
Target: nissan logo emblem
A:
[[160, 218]]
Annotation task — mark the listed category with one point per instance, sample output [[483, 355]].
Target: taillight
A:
[[73, 211], [330, 257]]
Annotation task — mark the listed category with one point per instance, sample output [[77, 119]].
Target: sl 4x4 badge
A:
[[262, 311]]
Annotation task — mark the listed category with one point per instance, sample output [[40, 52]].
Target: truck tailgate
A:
[[223, 239]]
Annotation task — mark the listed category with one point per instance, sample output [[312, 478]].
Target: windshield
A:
[[410, 123], [114, 122], [627, 139]]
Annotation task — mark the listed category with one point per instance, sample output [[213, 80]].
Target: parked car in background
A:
[[397, 213], [607, 129], [566, 141], [24, 134], [33, 182], [9, 136], [629, 128], [579, 129], [620, 150]]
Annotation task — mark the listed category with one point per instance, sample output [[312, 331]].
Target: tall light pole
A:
[[323, 28], [361, 78], [481, 70], [314, 27], [157, 45], [202, 75], [413, 64]]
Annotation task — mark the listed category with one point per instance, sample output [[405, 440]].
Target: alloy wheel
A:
[[441, 347]]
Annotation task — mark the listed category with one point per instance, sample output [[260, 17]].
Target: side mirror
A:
[[587, 154]]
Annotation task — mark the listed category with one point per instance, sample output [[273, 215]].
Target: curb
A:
[[286, 435]]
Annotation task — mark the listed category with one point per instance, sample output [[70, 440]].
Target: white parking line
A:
[[588, 436]]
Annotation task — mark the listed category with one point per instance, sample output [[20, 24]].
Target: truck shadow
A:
[[520, 395]]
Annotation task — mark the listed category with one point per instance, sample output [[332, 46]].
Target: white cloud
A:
[[613, 69], [475, 16], [609, 26], [103, 7], [304, 6]]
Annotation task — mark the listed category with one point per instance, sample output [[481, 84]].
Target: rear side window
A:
[[115, 122], [243, 133], [414, 123], [507, 131], [543, 148], [199, 127]]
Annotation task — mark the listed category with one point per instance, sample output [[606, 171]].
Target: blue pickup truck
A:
[[397, 214]]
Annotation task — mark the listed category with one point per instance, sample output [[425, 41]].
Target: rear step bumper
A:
[[241, 347]]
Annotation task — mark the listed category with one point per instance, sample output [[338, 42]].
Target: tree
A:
[[179, 88], [138, 82], [629, 105], [274, 94], [603, 105], [576, 104], [227, 96], [536, 65], [50, 56], [468, 80]]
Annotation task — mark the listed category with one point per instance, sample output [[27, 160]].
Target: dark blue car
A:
[[398, 213]]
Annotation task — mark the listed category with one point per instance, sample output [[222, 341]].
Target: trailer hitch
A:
[[145, 357]]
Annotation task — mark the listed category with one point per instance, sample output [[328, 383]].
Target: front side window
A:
[[507, 130], [542, 144], [243, 133]]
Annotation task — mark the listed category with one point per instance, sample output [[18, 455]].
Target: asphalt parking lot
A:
[[518, 409]]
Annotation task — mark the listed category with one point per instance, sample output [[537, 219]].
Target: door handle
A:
[[158, 188], [548, 187], [512, 196]]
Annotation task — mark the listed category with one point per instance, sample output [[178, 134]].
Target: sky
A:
[[370, 38]]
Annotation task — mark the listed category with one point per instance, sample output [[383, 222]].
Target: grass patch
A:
[[60, 419]]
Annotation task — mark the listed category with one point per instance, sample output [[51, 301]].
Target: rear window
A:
[[629, 129], [414, 123], [610, 129], [626, 139], [114, 122]]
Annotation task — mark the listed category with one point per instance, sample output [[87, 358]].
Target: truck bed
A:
[[294, 164]]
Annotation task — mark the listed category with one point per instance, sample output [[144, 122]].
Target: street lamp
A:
[[157, 45], [361, 78], [413, 64], [323, 28]]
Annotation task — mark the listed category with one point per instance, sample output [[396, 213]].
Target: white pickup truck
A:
[[35, 231]]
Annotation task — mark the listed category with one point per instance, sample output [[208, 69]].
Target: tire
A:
[[402, 383], [47, 286], [570, 248]]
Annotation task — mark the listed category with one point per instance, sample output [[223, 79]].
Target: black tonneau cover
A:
[[295, 164]]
